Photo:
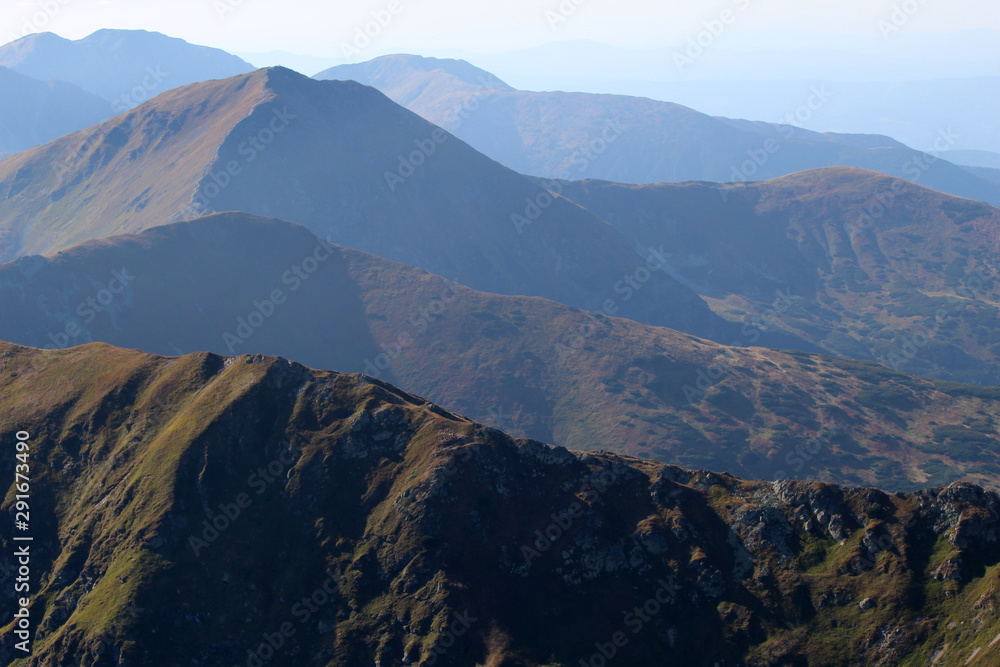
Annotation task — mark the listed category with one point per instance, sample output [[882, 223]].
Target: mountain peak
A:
[[115, 64], [417, 73]]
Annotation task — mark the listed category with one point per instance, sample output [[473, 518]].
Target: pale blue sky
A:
[[323, 27]]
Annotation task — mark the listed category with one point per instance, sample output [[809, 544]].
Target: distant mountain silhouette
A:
[[126, 67], [351, 165], [870, 266], [639, 140], [33, 112], [234, 283]]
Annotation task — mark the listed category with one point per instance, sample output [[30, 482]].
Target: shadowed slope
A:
[[856, 262], [358, 523], [33, 112], [636, 139], [329, 155], [234, 283]]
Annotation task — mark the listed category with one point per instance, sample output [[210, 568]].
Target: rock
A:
[[867, 604], [838, 528]]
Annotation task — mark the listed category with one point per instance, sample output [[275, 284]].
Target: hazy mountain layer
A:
[[126, 67], [33, 112], [234, 283], [348, 163], [855, 262], [639, 140]]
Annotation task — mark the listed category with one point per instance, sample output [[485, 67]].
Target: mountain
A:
[[974, 158], [911, 111], [33, 112], [987, 173], [855, 262], [349, 164], [125, 67], [639, 140], [233, 283], [247, 510], [419, 82]]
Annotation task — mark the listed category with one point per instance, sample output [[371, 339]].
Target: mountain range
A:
[[638, 140], [352, 166], [33, 112], [125, 67], [855, 262], [247, 510], [533, 367], [279, 354]]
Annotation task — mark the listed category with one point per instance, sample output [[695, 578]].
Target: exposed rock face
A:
[[206, 510]]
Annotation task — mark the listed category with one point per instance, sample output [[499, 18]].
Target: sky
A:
[[324, 28]]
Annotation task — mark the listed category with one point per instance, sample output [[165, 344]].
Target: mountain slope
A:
[[126, 67], [419, 81], [234, 283], [329, 155], [853, 261], [33, 112], [327, 519], [639, 140]]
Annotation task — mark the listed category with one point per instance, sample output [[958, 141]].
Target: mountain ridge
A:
[[534, 367], [126, 67], [279, 144], [539, 133], [172, 482]]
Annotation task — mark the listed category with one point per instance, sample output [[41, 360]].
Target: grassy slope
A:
[[417, 516], [533, 367], [280, 144], [866, 287]]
